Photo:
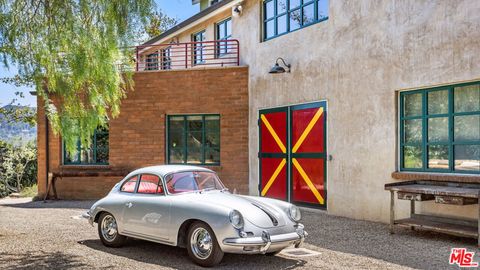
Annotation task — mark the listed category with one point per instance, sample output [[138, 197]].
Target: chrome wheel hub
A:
[[109, 228], [201, 243]]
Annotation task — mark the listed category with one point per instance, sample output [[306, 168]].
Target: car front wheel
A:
[[202, 246], [108, 231]]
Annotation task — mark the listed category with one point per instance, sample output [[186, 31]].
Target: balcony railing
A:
[[217, 53]]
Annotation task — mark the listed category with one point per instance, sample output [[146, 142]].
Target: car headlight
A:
[[236, 219], [294, 213]]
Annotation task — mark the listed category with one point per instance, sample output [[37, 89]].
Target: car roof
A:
[[163, 170]]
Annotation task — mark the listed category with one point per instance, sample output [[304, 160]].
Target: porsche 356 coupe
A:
[[189, 206]]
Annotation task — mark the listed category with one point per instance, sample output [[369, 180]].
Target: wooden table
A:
[[452, 193]]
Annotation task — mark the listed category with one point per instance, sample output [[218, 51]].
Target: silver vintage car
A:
[[188, 206]]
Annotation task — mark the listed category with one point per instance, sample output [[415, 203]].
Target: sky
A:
[[179, 9]]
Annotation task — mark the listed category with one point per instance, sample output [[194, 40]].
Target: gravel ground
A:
[[37, 235]]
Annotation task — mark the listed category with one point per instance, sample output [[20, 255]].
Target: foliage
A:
[[73, 51], [29, 191], [16, 114], [159, 22], [18, 167]]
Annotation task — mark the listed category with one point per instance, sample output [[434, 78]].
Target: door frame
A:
[[289, 111]]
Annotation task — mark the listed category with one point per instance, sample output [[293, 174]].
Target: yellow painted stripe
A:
[[307, 129], [274, 176], [274, 134], [308, 181]]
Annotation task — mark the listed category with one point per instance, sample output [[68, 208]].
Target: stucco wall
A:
[[356, 61]]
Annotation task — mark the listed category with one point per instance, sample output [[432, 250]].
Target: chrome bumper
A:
[[88, 217], [267, 240]]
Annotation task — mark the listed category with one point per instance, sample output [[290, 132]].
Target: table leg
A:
[[392, 210], [412, 212]]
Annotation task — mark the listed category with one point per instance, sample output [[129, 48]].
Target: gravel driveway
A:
[[37, 235]]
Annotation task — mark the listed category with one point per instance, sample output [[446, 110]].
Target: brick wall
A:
[[137, 136]]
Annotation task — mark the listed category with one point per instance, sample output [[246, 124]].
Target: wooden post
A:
[[49, 186], [478, 224], [392, 210], [412, 212]]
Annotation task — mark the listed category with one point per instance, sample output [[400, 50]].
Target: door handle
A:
[[129, 204]]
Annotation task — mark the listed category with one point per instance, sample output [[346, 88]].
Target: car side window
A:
[[129, 185], [150, 184]]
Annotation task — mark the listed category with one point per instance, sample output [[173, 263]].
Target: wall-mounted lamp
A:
[[237, 10], [279, 69]]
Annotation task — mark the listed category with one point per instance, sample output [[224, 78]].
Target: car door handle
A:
[[129, 204]]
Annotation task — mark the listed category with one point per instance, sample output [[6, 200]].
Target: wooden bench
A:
[[452, 193], [54, 176]]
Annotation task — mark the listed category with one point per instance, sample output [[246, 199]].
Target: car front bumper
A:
[[88, 217], [266, 243]]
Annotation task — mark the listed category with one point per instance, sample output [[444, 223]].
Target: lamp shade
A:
[[276, 69]]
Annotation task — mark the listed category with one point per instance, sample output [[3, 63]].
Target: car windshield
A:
[[192, 181]]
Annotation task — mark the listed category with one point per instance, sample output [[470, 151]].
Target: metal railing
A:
[[187, 55]]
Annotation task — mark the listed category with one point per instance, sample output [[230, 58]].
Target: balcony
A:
[[190, 55]]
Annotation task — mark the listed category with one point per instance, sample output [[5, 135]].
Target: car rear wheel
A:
[[108, 231], [202, 246]]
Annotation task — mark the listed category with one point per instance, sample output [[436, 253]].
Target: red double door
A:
[[293, 154]]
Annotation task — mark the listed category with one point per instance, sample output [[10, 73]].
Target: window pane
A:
[[220, 31], [294, 3], [467, 157], [467, 98], [129, 185], [71, 158], [102, 155], [212, 155], [149, 184], [438, 129], [467, 128], [270, 29], [308, 14], [438, 102], [438, 156], [412, 157], [194, 155], [86, 156], [269, 9], [212, 131], [282, 24], [176, 131], [413, 131], [102, 139], [322, 9], [281, 6], [295, 20], [176, 155], [412, 105], [228, 28]]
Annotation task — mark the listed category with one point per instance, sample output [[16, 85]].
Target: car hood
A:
[[257, 211]]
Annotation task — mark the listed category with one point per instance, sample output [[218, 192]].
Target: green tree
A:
[[159, 22], [18, 166], [73, 52]]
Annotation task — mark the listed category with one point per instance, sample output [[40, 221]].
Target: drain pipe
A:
[[47, 153]]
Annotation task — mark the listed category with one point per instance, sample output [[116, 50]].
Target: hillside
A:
[[14, 131]]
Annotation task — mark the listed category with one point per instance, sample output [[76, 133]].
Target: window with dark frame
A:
[[223, 31], [166, 58], [193, 139], [440, 129], [152, 61], [283, 16], [198, 48], [96, 154]]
